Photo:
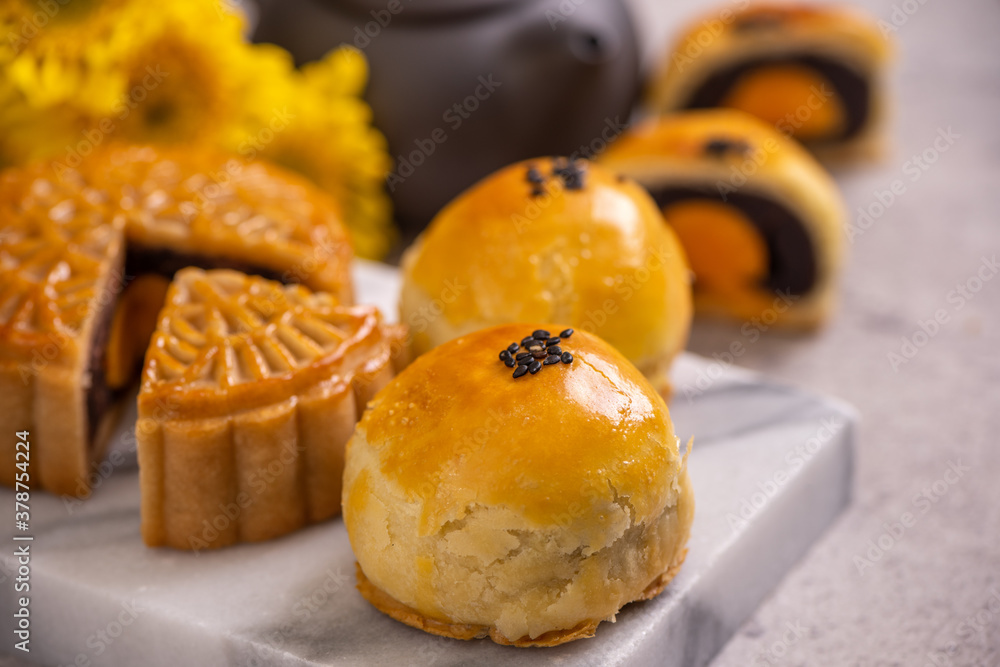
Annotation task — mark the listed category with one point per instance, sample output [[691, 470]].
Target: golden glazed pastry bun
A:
[[552, 240], [528, 509]]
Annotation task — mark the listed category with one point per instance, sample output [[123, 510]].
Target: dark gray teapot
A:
[[463, 87]]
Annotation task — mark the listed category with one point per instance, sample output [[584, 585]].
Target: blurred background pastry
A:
[[761, 222], [249, 393], [552, 239], [816, 73], [524, 506]]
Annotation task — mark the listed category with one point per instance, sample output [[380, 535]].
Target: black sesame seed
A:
[[540, 334], [504, 355], [566, 358], [526, 340], [513, 347], [520, 370], [551, 359], [566, 333], [574, 182], [534, 367], [555, 349], [539, 354], [554, 340], [537, 180], [509, 362], [571, 173], [523, 356], [720, 146]]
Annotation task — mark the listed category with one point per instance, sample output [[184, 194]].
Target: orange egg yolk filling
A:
[[132, 326], [725, 250], [792, 97]]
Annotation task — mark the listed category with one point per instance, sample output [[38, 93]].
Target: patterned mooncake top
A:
[[224, 336]]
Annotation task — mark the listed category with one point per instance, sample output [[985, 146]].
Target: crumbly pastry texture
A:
[[74, 236], [249, 394], [525, 509], [721, 155]]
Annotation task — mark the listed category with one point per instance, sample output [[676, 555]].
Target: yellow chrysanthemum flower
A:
[[180, 86], [56, 52], [11, 152], [324, 132], [28, 134], [77, 73]]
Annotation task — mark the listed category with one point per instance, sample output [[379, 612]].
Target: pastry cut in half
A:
[[61, 259], [816, 73], [86, 254], [761, 222], [552, 239], [485, 500], [249, 394]]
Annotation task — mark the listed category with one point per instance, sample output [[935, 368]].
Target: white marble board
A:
[[771, 468]]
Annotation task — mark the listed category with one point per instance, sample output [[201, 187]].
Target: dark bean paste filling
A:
[[791, 255], [143, 259], [852, 88], [100, 397]]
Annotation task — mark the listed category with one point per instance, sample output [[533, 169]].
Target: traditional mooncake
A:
[[249, 393], [61, 259], [86, 253]]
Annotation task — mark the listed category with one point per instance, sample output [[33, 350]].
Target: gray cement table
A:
[[930, 594]]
